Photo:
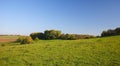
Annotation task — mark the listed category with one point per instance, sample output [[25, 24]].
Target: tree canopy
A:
[[111, 32]]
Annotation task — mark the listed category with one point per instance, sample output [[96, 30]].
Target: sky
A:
[[70, 16]]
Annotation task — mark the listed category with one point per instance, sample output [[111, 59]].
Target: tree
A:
[[111, 32], [37, 35], [117, 30], [104, 33], [52, 34], [56, 34]]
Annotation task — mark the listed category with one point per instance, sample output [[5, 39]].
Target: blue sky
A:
[[70, 16]]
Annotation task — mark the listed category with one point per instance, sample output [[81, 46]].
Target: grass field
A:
[[85, 52]]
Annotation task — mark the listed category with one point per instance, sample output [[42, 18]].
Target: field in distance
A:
[[85, 52], [8, 38]]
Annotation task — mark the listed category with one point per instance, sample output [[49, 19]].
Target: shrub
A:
[[24, 39], [72, 37], [20, 39], [27, 40], [68, 36]]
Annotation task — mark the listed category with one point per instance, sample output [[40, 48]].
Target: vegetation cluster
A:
[[56, 34], [24, 39], [87, 52], [111, 32]]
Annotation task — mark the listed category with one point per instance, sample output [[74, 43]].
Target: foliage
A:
[[111, 32], [37, 35], [52, 34], [24, 39], [75, 36], [27, 40], [86, 52], [48, 34], [68, 36], [117, 30], [84, 36], [56, 34], [21, 38]]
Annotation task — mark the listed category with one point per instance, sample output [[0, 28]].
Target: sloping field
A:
[[8, 38], [85, 52]]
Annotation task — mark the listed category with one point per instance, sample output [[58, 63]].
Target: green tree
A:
[[37, 35], [52, 34], [111, 32], [117, 30]]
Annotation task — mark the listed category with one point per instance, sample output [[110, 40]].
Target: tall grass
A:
[[85, 52]]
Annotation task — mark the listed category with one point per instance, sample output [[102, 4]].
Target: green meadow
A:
[[84, 52]]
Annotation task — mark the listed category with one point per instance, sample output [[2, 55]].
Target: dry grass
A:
[[8, 38]]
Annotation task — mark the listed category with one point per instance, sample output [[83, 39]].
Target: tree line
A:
[[57, 34], [111, 32]]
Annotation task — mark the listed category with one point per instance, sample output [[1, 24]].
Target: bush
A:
[[27, 40], [68, 36], [24, 39], [20, 39], [75, 36]]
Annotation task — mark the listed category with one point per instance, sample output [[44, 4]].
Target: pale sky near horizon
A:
[[70, 16]]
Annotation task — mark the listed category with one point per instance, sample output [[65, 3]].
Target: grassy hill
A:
[[86, 52]]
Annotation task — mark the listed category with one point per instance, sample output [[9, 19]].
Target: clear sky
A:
[[69, 16]]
